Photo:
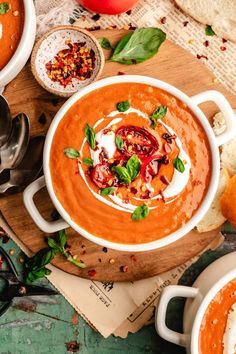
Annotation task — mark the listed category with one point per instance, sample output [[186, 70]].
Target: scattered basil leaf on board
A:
[[105, 43], [35, 266], [133, 166], [90, 136], [209, 31], [107, 191], [141, 212], [71, 153], [123, 106], [119, 142], [88, 161], [138, 46], [122, 174], [159, 113], [179, 165], [4, 8]]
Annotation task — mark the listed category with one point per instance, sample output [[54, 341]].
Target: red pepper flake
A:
[[129, 12], [185, 23], [164, 180], [120, 73], [124, 268], [76, 172], [206, 43], [72, 347], [133, 190], [104, 250], [75, 62], [224, 40], [99, 260], [223, 48], [92, 272], [163, 20], [83, 253], [133, 258], [96, 17], [202, 56], [94, 28], [131, 27]]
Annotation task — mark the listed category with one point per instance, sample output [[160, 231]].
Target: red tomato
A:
[[150, 167], [110, 7], [102, 176], [137, 141]]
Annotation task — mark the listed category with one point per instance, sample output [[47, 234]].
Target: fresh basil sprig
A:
[[4, 8], [119, 142], [159, 113], [138, 46], [107, 191], [88, 161], [90, 136], [141, 212], [209, 31], [130, 172], [105, 43], [71, 153], [123, 106], [179, 165], [36, 266]]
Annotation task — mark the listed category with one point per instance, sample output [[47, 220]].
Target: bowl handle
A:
[[225, 107], [43, 224], [160, 320]]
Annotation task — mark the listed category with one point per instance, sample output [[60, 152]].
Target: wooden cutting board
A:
[[173, 65]]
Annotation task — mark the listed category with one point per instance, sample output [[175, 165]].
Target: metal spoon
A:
[[13, 151], [5, 121], [29, 168]]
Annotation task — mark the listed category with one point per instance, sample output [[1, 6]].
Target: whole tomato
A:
[[110, 7]]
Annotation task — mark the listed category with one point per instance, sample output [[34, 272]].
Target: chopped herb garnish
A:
[[88, 161], [105, 43], [4, 8], [141, 212], [119, 142], [209, 31], [107, 191], [90, 136], [159, 113], [71, 153], [123, 106], [179, 165]]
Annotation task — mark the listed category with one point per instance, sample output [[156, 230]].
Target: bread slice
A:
[[220, 14], [214, 217]]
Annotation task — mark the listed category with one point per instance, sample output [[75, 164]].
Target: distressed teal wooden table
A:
[[45, 325]]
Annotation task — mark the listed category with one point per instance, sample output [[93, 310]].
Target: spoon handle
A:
[[5, 186]]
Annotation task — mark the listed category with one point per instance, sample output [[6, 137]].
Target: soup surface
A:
[[218, 328], [143, 168], [11, 26]]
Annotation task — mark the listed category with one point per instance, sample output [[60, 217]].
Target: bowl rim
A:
[[44, 37], [214, 155], [212, 292], [23, 50]]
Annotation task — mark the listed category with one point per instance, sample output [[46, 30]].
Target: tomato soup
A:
[[130, 163], [218, 328], [11, 27]]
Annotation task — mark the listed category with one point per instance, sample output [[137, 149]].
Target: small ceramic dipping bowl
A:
[[47, 59]]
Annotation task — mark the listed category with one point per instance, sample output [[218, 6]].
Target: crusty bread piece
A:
[[214, 217], [228, 201], [220, 14]]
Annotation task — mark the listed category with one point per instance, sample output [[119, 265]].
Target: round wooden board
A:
[[173, 65]]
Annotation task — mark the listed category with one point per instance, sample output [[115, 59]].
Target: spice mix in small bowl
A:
[[66, 59]]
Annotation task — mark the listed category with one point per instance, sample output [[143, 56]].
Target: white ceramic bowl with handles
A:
[[23, 51], [203, 291], [192, 103]]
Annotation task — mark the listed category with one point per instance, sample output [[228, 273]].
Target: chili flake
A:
[[163, 20], [92, 272], [223, 48], [75, 62], [124, 268]]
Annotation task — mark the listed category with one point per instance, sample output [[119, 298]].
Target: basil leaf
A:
[[122, 174], [53, 244], [40, 259], [4, 8], [119, 142], [123, 106], [138, 46], [107, 191], [32, 276], [61, 238], [71, 153], [141, 212], [159, 113], [179, 165], [209, 31], [90, 136], [105, 43], [133, 166], [88, 161]]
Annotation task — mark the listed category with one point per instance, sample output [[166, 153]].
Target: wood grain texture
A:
[[173, 65]]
